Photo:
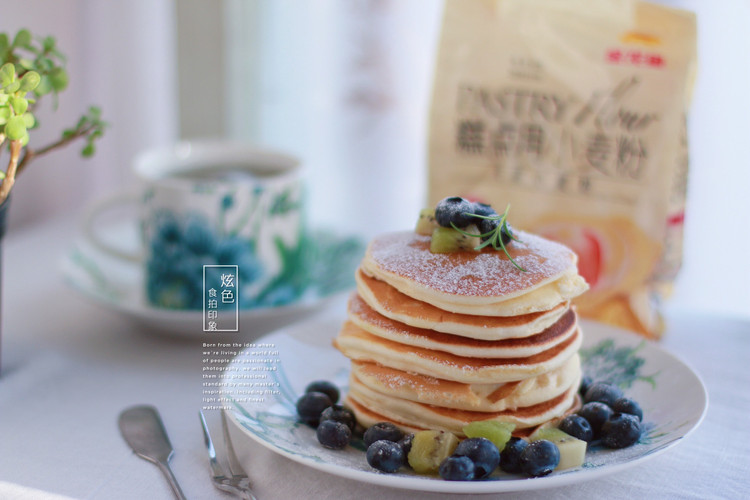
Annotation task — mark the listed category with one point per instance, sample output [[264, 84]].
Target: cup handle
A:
[[92, 235]]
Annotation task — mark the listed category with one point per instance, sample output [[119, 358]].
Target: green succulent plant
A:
[[30, 69]]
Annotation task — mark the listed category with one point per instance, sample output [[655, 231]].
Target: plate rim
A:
[[437, 485]]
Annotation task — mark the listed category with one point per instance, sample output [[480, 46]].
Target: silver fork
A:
[[237, 481]]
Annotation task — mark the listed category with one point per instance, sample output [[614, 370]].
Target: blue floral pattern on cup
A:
[[180, 244], [179, 248]]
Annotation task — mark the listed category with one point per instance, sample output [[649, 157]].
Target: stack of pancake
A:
[[438, 340]]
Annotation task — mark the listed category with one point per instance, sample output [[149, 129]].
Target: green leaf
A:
[[4, 99], [25, 139], [44, 87], [22, 39], [26, 64], [45, 64], [13, 87], [20, 105], [59, 55], [30, 81], [29, 120], [4, 43], [58, 77], [88, 150], [48, 43], [15, 128], [2, 174], [7, 74]]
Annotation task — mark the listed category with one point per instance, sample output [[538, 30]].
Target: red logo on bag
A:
[[634, 57]]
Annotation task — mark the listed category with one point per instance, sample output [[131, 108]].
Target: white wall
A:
[[716, 271], [366, 162], [346, 86], [120, 57]]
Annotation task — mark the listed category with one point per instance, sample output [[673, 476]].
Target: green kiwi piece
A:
[[426, 222], [447, 239], [572, 450], [497, 432], [429, 449]]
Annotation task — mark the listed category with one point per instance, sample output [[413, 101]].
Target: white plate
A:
[[118, 285], [673, 398]]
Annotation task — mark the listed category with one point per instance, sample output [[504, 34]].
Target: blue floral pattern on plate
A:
[[672, 396]]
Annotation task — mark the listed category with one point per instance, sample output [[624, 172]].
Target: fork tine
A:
[[234, 464], [215, 467]]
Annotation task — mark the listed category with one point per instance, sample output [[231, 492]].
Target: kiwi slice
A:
[[426, 223], [447, 239], [572, 450], [429, 449], [497, 432]]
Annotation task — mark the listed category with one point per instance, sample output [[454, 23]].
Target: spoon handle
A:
[[167, 470]]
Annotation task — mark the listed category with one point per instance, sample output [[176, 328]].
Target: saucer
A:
[[118, 284]]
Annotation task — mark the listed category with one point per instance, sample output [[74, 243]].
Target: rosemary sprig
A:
[[494, 237]]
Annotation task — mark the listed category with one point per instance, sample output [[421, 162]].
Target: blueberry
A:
[[486, 226], [596, 413], [334, 435], [510, 457], [386, 456], [578, 427], [483, 209], [405, 443], [311, 405], [621, 431], [627, 405], [457, 468], [339, 413], [506, 234], [482, 452], [382, 430], [539, 458], [586, 382], [454, 209], [604, 393], [325, 387]]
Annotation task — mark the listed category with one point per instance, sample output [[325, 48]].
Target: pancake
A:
[[475, 397], [400, 307], [358, 344], [438, 340], [363, 400], [375, 323], [481, 283]]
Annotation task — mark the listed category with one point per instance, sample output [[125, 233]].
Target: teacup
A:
[[215, 204]]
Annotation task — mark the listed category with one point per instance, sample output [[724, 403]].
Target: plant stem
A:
[[10, 174], [30, 154]]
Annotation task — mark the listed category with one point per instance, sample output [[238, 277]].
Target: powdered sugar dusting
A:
[[485, 273]]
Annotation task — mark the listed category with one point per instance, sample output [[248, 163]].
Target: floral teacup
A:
[[217, 204]]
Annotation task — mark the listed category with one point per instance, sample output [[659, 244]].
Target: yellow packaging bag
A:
[[574, 112]]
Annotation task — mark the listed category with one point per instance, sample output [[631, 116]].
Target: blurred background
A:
[[345, 85]]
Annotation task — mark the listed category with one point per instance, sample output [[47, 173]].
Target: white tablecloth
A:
[[69, 367]]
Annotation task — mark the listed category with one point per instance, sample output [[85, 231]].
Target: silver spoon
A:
[[143, 430]]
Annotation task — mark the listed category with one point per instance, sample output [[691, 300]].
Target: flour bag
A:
[[574, 113]]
